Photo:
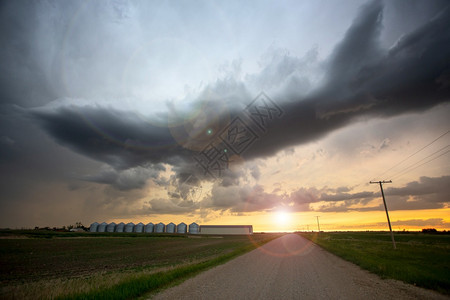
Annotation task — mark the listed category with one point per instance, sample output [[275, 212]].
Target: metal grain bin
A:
[[194, 228], [102, 227], [129, 227], [149, 227], [120, 227], [111, 227], [93, 227], [170, 228], [181, 228], [160, 227], [139, 227]]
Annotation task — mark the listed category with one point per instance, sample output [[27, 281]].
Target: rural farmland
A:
[[103, 265], [48, 265]]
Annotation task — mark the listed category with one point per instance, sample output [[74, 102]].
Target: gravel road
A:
[[291, 267]]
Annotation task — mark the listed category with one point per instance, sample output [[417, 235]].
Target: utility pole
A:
[[385, 208], [318, 226]]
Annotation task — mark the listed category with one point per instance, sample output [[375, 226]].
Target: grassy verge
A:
[[103, 266], [419, 259]]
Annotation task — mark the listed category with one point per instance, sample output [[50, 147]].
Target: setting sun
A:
[[282, 220]]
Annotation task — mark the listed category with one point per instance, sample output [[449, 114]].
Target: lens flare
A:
[[282, 220]]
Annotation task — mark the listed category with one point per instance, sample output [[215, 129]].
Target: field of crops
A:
[[420, 259], [50, 265]]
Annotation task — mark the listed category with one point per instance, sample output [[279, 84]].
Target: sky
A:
[[275, 114]]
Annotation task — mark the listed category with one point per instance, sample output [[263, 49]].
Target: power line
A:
[[426, 162], [417, 162], [398, 174], [432, 142]]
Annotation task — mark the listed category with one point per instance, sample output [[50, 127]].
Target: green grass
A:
[[52, 265], [420, 259]]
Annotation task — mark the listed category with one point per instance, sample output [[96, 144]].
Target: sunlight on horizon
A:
[[282, 221]]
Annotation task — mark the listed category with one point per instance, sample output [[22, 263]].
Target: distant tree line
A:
[[78, 226], [434, 231]]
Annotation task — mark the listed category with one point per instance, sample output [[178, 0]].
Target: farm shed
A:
[[93, 227], [102, 227], [111, 227], [160, 227], [149, 227], [194, 228], [139, 227], [226, 229], [120, 227], [181, 228], [129, 227], [170, 228]]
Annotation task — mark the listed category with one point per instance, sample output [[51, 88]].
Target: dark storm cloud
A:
[[362, 79], [120, 139], [22, 80], [164, 206], [133, 178]]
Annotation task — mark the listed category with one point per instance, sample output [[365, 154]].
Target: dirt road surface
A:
[[291, 267]]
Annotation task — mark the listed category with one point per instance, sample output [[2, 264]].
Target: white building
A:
[[226, 229]]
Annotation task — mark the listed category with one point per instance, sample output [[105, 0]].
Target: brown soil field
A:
[[25, 261]]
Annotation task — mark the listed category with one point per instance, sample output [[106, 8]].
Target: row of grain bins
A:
[[141, 228]]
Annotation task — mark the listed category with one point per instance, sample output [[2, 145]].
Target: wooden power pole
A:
[[385, 208]]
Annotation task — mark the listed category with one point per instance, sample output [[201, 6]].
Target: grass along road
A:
[[292, 267], [420, 259]]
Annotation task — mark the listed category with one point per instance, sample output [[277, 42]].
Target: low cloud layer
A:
[[421, 222], [427, 193]]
